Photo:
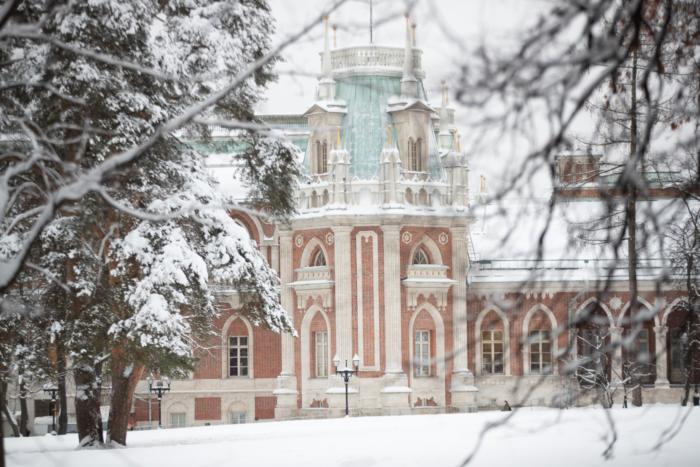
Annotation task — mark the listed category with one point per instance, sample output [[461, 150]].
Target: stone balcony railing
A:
[[372, 57], [430, 272], [313, 274], [413, 189]]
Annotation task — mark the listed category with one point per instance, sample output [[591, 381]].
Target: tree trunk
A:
[[631, 221], [6, 410], [691, 331], [125, 376], [62, 397], [87, 405], [24, 413]]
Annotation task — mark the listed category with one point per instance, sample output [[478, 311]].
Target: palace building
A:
[[390, 261]]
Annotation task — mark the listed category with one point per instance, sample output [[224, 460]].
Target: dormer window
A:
[[415, 155], [319, 259], [420, 257]]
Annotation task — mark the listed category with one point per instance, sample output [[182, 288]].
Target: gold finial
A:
[[338, 140], [335, 33], [389, 136], [459, 141], [413, 29]]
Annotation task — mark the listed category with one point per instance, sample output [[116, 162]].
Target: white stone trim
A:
[[306, 341], [309, 249], [225, 350], [506, 339], [439, 357], [646, 304], [359, 237], [554, 338], [669, 309], [431, 246]]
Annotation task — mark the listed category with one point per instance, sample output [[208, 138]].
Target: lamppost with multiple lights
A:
[[345, 373], [159, 387], [51, 389]]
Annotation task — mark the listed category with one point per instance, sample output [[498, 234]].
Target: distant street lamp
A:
[[51, 389], [159, 387], [346, 373]]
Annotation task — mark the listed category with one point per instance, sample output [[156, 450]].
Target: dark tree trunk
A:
[[87, 405], [125, 377], [631, 221], [6, 411], [24, 412], [692, 333], [62, 397]]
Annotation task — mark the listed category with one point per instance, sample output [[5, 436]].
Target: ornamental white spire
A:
[[326, 89], [444, 137], [409, 83]]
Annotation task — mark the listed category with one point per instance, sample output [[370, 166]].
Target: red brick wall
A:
[[265, 407], [366, 272], [141, 409], [207, 408]]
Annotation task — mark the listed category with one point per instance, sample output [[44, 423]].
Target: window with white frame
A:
[[238, 355], [237, 417], [421, 356], [177, 419], [540, 352], [321, 347], [492, 352], [420, 257]]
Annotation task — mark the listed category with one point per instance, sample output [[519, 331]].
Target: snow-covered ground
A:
[[533, 437]]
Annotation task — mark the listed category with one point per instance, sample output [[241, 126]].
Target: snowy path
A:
[[534, 437]]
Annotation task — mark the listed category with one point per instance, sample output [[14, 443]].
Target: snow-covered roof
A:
[[526, 239]]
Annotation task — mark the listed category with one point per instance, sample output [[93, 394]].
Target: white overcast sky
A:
[[446, 31]]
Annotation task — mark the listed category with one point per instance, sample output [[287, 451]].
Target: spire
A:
[[444, 137], [413, 34], [409, 84], [335, 36], [326, 89], [326, 50]]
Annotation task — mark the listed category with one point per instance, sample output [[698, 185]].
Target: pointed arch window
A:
[[420, 257], [319, 259]]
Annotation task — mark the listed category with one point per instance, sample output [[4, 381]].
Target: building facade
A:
[[380, 265]]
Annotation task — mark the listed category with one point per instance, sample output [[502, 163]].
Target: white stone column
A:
[[616, 342], [275, 257], [660, 333], [395, 393], [286, 391], [343, 293], [462, 387]]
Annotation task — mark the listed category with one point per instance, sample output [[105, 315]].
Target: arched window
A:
[[319, 259], [593, 341], [540, 344], [422, 357], [492, 352], [420, 257], [317, 154], [415, 155]]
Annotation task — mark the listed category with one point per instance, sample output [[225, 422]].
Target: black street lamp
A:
[[159, 387], [346, 373], [51, 389]]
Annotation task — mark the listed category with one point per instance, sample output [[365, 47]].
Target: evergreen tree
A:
[[132, 263]]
